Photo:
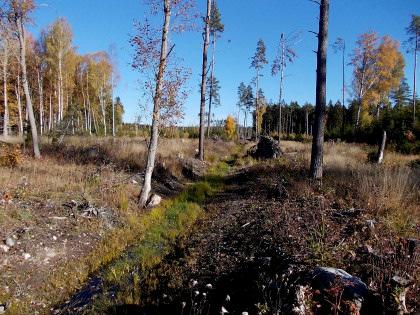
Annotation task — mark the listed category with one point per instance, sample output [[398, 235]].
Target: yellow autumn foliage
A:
[[230, 127]]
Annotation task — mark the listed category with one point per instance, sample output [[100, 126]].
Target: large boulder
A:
[[267, 148], [336, 283], [193, 168]]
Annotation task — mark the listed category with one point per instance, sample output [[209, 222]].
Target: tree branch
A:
[[316, 2], [316, 34]]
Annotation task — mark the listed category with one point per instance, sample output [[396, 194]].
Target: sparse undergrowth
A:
[[46, 199], [359, 207], [271, 226]]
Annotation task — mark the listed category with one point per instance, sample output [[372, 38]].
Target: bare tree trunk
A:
[[84, 103], [257, 94], [41, 103], [113, 105], [101, 99], [151, 153], [19, 105], [321, 83], [211, 84], [360, 97], [378, 111], [22, 48], [50, 116], [283, 55], [245, 131], [307, 122], [95, 123], [415, 81], [6, 105], [382, 148], [203, 81], [88, 104], [344, 90], [60, 87]]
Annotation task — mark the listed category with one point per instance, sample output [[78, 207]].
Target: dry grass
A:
[[391, 190], [99, 171]]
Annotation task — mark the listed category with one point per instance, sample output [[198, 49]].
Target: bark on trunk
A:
[[113, 105], [382, 148], [103, 109], [19, 105], [318, 139], [41, 103], [415, 82], [151, 153], [203, 81], [343, 91], [257, 105], [60, 86], [283, 55], [6, 105], [211, 85], [31, 116]]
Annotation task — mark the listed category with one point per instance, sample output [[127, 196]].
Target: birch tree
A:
[[364, 74], [5, 56], [58, 44], [163, 77], [19, 11]]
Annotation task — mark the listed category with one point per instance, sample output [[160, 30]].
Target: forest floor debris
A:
[[71, 205]]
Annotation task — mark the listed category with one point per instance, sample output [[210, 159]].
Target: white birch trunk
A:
[[22, 46]]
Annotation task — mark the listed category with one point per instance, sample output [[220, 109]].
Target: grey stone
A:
[[10, 242], [154, 200], [354, 289], [400, 287]]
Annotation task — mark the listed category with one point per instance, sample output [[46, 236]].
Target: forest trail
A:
[[253, 250], [229, 257]]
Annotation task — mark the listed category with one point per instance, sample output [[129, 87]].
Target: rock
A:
[[327, 279], [10, 242], [267, 148], [154, 200], [2, 308], [4, 248], [193, 168], [26, 256], [400, 287]]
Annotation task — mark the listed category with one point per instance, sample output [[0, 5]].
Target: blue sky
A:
[[97, 24]]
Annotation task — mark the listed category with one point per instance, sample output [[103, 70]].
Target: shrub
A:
[[10, 156]]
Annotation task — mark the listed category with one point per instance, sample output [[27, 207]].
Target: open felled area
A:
[[209, 157]]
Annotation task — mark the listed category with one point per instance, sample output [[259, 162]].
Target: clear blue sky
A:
[[99, 23]]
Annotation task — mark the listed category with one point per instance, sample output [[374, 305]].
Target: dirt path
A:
[[230, 260]]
